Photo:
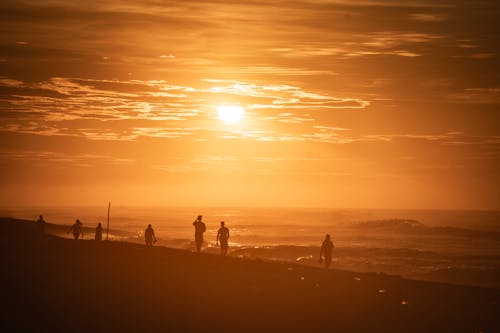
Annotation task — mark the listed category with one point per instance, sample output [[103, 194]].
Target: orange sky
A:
[[371, 104]]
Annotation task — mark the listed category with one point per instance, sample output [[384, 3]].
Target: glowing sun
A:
[[230, 113]]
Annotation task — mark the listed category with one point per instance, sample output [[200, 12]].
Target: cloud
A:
[[162, 132], [485, 55], [428, 17], [61, 160], [126, 110], [6, 82], [287, 71], [67, 106], [394, 43], [476, 96], [445, 139], [285, 96]]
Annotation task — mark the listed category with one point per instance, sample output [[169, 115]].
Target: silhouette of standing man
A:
[[222, 237], [76, 229], [149, 236], [98, 232], [199, 229], [41, 225], [326, 251]]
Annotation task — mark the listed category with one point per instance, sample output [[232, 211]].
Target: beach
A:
[[56, 284], [451, 246]]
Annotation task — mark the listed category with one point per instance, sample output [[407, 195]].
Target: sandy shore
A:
[[55, 284]]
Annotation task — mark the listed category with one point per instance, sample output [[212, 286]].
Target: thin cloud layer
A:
[[66, 106], [352, 95]]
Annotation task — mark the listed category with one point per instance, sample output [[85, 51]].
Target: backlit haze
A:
[[373, 104]]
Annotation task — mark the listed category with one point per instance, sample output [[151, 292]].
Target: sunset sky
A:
[[350, 103]]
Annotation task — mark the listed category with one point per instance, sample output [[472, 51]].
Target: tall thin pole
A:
[[107, 228]]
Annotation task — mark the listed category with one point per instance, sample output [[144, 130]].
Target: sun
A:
[[230, 113]]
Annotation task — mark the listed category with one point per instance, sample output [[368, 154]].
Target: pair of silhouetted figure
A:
[[200, 228], [222, 235], [76, 229], [326, 251], [149, 236]]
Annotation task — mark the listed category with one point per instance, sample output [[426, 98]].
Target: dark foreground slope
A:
[[54, 284]]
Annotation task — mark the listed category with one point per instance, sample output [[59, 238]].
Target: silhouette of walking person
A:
[[41, 225], [222, 237], [326, 251], [98, 232], [199, 229], [149, 236], [76, 229]]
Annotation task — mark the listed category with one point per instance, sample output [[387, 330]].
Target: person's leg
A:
[[224, 249], [328, 261]]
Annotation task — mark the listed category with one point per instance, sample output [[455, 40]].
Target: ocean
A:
[[449, 246]]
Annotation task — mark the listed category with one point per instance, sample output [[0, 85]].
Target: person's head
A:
[[199, 217], [99, 224], [41, 217], [77, 221], [149, 226], [222, 223], [327, 237]]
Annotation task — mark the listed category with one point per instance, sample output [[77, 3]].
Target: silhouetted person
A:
[[98, 232], [77, 230], [149, 236], [222, 237], [199, 229], [41, 224], [326, 251]]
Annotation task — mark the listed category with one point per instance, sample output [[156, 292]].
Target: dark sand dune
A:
[[55, 284]]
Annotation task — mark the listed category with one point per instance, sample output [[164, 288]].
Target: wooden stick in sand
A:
[[107, 228]]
